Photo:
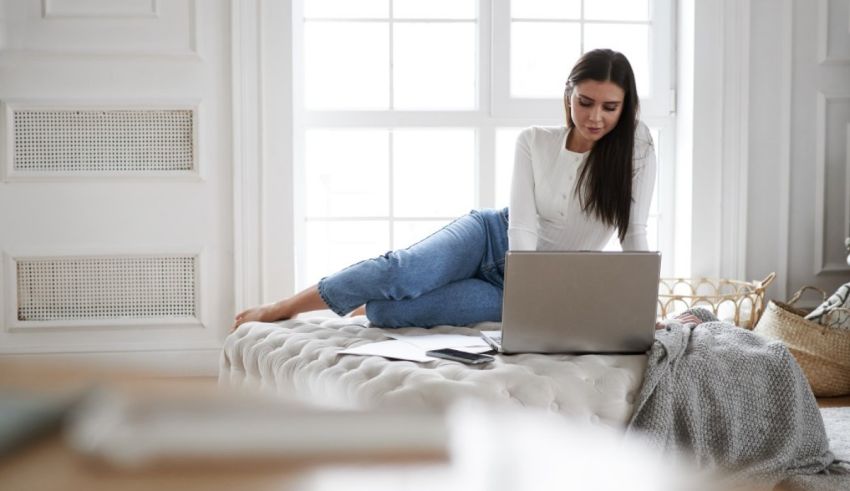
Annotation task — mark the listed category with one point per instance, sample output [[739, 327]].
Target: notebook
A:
[[579, 302]]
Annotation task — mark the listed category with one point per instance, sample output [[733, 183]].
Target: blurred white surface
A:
[[519, 450]]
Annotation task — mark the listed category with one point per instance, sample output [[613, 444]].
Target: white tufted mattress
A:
[[298, 359]]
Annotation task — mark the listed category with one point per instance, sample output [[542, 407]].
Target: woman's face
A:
[[595, 108]]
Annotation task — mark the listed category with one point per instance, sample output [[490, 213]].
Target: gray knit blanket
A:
[[737, 404]]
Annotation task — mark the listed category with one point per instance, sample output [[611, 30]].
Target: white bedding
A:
[[298, 359]]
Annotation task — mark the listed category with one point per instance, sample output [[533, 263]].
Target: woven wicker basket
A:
[[740, 302], [823, 352]]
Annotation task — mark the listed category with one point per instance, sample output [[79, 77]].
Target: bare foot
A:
[[269, 312], [361, 310], [304, 301]]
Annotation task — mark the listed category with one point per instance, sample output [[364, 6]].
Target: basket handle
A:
[[767, 280], [799, 292]]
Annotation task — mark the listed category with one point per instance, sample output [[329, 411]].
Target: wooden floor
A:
[[843, 401]]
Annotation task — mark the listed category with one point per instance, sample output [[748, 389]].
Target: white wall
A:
[[764, 132], [770, 132], [130, 56], [799, 149]]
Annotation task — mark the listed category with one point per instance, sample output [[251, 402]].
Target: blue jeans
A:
[[455, 276]]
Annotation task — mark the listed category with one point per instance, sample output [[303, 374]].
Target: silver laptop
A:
[[579, 302]]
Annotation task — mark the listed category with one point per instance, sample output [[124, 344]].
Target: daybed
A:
[[728, 398], [298, 359]]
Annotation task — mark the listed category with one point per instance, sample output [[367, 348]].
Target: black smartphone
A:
[[461, 356]]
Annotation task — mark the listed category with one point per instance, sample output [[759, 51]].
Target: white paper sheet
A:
[[414, 350], [397, 350], [437, 341]]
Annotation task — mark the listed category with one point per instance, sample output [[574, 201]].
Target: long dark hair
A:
[[605, 184]]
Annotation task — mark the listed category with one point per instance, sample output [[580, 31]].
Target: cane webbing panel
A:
[[103, 141], [106, 287]]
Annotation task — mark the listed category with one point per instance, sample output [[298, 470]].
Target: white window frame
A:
[[661, 99], [494, 109]]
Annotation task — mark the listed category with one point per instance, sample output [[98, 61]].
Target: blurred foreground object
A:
[[139, 430], [515, 449], [133, 432], [26, 416]]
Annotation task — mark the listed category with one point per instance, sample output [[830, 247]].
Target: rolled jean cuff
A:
[[338, 311]]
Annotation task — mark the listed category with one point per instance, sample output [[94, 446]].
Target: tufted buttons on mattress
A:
[[298, 358]]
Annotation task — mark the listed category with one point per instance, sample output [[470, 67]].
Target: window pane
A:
[[546, 9], [617, 10], [347, 172], [347, 9], [407, 233], [346, 65], [505, 149], [541, 57], [434, 66], [433, 172], [434, 9], [631, 40], [332, 246]]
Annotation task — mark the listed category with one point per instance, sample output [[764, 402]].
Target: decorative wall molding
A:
[[277, 91], [77, 61], [120, 322], [785, 122], [847, 182], [827, 18], [720, 138], [247, 165], [110, 337], [823, 264], [114, 9], [262, 151], [735, 138], [58, 29], [9, 171]]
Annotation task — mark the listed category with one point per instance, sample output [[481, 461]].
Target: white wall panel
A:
[[799, 189], [100, 8], [834, 31], [832, 219], [769, 142], [126, 27], [102, 56], [105, 291], [75, 139]]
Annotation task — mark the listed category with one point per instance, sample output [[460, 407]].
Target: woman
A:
[[572, 188]]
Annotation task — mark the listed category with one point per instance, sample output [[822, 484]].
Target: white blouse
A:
[[546, 214]]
